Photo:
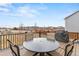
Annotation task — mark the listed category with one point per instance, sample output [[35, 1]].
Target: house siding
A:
[[72, 23]]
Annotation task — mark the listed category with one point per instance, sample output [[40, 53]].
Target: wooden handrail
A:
[[19, 38]]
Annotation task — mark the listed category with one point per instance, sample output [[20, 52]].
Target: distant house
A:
[[72, 22]]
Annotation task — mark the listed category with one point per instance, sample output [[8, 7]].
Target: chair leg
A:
[[48, 54], [42, 54], [35, 54]]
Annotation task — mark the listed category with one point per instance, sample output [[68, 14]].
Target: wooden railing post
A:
[[0, 42], [25, 36], [76, 44]]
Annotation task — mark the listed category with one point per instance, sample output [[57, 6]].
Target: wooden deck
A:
[[17, 39], [24, 52]]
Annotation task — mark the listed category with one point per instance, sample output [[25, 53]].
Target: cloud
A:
[[4, 7], [42, 7], [3, 4], [27, 11], [23, 10], [4, 10]]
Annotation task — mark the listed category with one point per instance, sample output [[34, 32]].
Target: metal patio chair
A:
[[14, 49]]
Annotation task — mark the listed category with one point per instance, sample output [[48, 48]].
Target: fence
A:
[[73, 35], [15, 38], [19, 38]]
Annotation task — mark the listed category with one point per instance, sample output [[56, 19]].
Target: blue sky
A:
[[47, 14]]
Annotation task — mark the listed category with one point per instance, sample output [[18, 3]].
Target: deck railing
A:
[[73, 35], [19, 38], [15, 38]]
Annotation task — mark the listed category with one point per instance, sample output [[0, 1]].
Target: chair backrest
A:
[[74, 41], [69, 49], [62, 36], [14, 49]]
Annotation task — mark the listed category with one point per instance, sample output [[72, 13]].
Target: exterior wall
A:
[[72, 23]]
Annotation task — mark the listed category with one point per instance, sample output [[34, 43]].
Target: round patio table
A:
[[41, 46]]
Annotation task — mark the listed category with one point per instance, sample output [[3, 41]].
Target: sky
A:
[[41, 14]]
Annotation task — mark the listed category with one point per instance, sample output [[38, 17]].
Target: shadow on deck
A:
[[24, 52]]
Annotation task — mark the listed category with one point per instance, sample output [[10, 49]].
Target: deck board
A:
[[24, 52]]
